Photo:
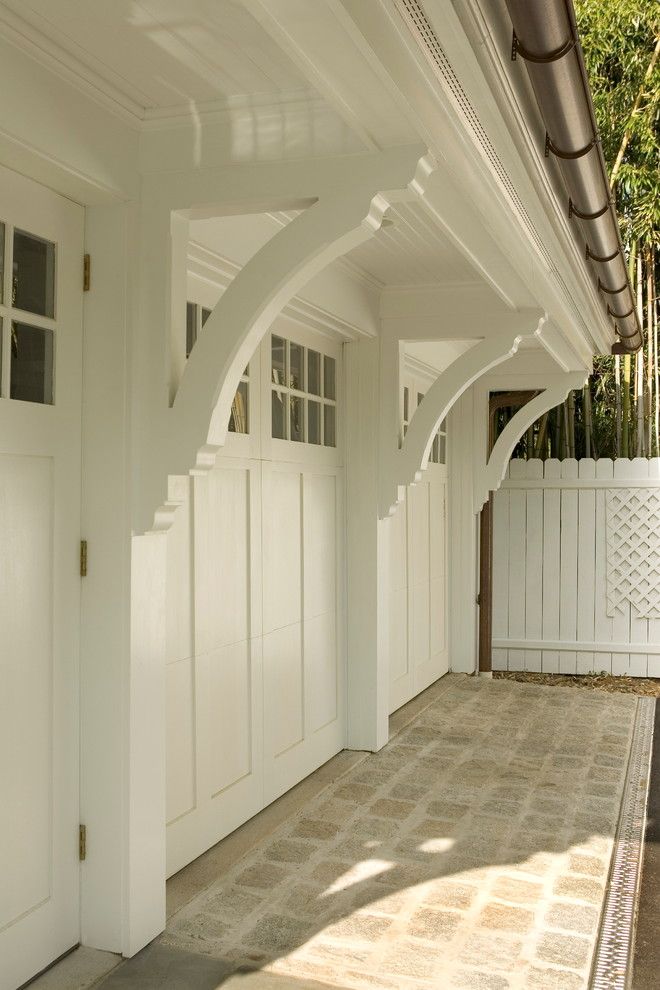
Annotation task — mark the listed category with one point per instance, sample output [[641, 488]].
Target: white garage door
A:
[[256, 639], [41, 238]]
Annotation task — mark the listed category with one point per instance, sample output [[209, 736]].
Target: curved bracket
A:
[[404, 466], [192, 430], [494, 471]]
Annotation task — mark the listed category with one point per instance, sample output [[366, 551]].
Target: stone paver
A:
[[472, 852]]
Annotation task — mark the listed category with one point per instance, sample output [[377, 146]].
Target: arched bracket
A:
[[494, 471], [346, 212], [401, 467]]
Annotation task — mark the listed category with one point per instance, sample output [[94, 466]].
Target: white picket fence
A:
[[576, 567]]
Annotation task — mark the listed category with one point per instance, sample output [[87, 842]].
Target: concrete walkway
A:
[[472, 852]]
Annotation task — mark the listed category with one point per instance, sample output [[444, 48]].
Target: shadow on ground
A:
[[471, 852]]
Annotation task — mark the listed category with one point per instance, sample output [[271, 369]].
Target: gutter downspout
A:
[[545, 35]]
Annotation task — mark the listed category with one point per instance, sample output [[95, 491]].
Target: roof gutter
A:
[[545, 36]]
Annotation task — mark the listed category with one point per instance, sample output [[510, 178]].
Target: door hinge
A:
[[83, 558], [86, 270], [82, 842], [478, 600]]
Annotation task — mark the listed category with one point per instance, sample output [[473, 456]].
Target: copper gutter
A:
[[545, 36]]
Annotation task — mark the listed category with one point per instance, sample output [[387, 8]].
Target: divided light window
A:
[[239, 418], [27, 316], [303, 394], [438, 453]]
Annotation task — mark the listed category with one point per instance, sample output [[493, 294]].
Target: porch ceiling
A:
[[162, 54], [411, 250]]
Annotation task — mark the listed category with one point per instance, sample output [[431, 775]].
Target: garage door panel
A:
[[227, 677], [180, 739], [282, 543], [283, 689], [322, 670], [222, 564]]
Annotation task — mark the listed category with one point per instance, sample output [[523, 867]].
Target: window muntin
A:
[[438, 454], [33, 274], [304, 394], [239, 417], [27, 301]]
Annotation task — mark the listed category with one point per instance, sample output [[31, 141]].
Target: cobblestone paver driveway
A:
[[472, 852]]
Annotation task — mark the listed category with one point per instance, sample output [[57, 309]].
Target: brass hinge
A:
[[82, 842], [86, 269], [83, 558]]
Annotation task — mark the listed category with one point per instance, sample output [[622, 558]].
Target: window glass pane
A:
[[435, 451], [278, 351], [314, 372], [297, 367], [33, 276], [313, 422], [279, 415], [405, 403], [297, 424], [191, 327], [31, 370], [205, 314], [443, 426], [2, 262], [442, 452], [239, 416], [420, 396], [329, 432], [329, 378]]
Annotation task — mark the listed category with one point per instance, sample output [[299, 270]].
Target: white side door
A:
[[40, 412]]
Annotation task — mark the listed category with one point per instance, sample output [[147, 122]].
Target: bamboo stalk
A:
[[571, 423], [656, 370], [586, 402], [639, 365], [617, 405], [650, 357], [628, 131]]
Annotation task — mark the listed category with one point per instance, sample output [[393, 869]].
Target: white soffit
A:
[[157, 57], [436, 355], [410, 249]]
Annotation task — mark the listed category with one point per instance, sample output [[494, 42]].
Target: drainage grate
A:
[[612, 968]]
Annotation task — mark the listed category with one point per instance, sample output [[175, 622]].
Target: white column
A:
[[105, 592], [368, 636], [464, 544]]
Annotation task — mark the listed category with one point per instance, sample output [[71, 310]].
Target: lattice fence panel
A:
[[633, 550]]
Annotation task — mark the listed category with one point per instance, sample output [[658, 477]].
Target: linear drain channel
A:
[[612, 968]]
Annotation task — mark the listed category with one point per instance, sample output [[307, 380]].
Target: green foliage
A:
[[618, 39]]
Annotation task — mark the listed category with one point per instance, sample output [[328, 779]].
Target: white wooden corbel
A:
[[348, 210], [493, 472], [403, 466]]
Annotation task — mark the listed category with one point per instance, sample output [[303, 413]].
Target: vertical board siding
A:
[[550, 571], [416, 549]]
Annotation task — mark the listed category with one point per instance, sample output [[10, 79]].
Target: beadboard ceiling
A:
[[164, 54]]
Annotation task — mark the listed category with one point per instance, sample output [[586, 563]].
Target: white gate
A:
[[576, 567]]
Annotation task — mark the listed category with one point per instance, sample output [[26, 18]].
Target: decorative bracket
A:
[[494, 470], [401, 467]]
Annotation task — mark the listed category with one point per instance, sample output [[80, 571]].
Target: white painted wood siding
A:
[[550, 571], [416, 564]]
